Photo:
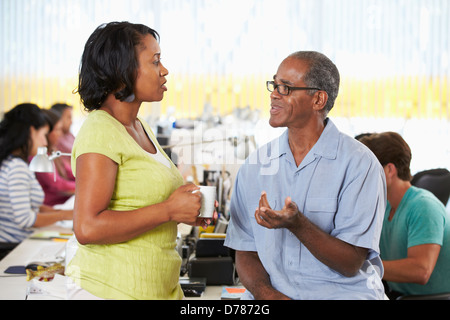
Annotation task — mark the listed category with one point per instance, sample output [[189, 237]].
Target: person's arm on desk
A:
[[417, 267], [48, 216], [255, 278]]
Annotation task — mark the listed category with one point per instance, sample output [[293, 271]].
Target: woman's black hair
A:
[[109, 62], [52, 117], [15, 129]]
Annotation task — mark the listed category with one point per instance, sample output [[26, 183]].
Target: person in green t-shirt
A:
[[129, 196], [415, 238]]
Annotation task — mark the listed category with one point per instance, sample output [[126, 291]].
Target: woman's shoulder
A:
[[101, 125], [14, 162], [100, 118], [15, 165], [101, 133]]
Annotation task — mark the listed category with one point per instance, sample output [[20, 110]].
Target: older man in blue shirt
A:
[[307, 208]]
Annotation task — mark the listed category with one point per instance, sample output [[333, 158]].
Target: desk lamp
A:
[[43, 162]]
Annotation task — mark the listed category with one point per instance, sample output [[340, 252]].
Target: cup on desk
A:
[[208, 200]]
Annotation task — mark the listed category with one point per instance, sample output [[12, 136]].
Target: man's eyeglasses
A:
[[285, 90]]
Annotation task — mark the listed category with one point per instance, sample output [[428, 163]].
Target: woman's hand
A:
[[205, 222], [185, 206]]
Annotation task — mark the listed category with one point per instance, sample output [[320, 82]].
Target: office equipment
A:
[[41, 162], [221, 225], [212, 261], [193, 287], [216, 270], [211, 247]]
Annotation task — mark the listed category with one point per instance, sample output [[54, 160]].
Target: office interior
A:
[[393, 57]]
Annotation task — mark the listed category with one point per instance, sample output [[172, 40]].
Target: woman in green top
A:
[[129, 196]]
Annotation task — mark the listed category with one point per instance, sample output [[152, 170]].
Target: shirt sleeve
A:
[[426, 222], [98, 135], [239, 232], [361, 207]]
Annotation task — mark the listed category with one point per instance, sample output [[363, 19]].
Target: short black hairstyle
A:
[[109, 62]]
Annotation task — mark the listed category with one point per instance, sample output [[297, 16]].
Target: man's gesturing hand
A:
[[287, 217]]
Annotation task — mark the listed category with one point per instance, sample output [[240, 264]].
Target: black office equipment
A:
[[216, 270]]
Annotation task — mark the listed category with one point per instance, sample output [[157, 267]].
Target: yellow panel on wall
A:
[[401, 97]]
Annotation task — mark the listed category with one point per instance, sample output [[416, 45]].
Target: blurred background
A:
[[393, 56]]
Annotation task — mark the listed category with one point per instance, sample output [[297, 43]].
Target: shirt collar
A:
[[326, 146]]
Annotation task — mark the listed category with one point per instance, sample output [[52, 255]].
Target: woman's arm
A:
[[94, 223], [20, 194], [48, 217]]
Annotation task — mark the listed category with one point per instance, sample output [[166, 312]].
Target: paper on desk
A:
[[49, 252], [55, 288], [68, 205]]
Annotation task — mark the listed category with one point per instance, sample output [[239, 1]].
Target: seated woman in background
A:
[[22, 131], [65, 142], [59, 185]]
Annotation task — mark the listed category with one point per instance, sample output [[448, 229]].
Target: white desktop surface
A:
[[14, 287]]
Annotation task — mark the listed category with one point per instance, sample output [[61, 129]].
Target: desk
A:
[[14, 287]]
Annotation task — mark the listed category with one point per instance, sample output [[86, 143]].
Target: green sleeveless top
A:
[[148, 266]]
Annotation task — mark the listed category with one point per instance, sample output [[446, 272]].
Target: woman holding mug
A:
[[129, 196]]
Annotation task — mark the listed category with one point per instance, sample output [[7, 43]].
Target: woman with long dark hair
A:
[[22, 130]]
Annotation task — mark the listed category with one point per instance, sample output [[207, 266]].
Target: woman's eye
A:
[[157, 62]]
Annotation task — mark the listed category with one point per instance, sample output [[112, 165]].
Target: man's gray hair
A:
[[322, 74]]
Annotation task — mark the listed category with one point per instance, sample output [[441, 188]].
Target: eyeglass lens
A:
[[282, 89]]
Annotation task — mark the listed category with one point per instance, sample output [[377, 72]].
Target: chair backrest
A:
[[436, 181]]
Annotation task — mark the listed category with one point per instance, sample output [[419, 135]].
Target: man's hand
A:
[[287, 218], [341, 256]]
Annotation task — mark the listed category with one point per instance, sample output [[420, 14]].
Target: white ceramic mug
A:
[[208, 199]]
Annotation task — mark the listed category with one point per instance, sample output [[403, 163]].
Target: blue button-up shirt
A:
[[340, 187]]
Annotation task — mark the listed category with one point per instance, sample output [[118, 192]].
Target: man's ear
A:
[[320, 100], [390, 169]]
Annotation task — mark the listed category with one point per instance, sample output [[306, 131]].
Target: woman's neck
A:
[[124, 112]]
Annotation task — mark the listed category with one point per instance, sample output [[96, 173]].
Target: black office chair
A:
[[440, 296], [394, 295], [5, 248], [435, 180]]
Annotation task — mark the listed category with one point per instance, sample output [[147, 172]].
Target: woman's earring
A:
[[130, 98]]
